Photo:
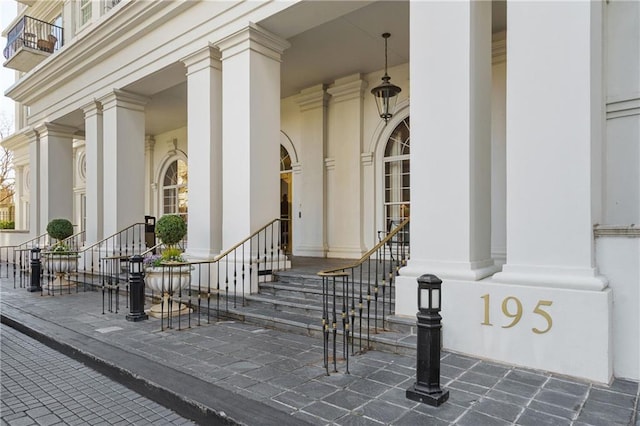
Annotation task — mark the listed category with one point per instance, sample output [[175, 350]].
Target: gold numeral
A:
[[486, 310], [538, 310], [505, 310]]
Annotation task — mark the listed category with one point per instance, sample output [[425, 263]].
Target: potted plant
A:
[[168, 272], [62, 258]]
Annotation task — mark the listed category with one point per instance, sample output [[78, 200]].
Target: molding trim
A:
[[330, 163], [617, 108], [366, 158], [123, 99], [256, 38], [312, 98], [51, 129], [631, 231], [207, 57], [348, 88]]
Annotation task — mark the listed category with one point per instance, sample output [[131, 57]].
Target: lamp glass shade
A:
[[386, 96], [424, 298], [135, 265], [435, 298], [35, 254]]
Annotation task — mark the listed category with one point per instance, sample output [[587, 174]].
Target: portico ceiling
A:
[[329, 40]]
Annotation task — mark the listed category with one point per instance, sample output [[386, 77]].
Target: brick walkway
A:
[[261, 376], [43, 387]]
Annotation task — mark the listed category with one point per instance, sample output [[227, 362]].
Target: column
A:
[[19, 193], [344, 186], [554, 141], [251, 131], [451, 144], [499, 149], [149, 199], [123, 172], [34, 183], [55, 173], [204, 129], [93, 124], [313, 135]]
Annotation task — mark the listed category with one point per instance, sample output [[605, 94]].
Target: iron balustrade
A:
[[220, 284], [34, 34], [361, 295], [21, 259]]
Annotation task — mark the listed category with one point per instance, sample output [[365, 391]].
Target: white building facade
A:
[[514, 145]]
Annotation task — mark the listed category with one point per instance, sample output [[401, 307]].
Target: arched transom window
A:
[[174, 189], [397, 176]]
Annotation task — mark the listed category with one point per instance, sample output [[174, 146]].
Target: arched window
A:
[[397, 176], [174, 189]]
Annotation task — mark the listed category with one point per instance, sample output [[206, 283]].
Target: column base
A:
[[470, 271], [543, 276], [135, 317], [415, 393]]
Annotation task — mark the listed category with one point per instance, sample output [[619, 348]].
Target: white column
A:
[[204, 129], [123, 172], [251, 131], [34, 183], [313, 135], [149, 199], [344, 186], [93, 124], [499, 150], [19, 193], [56, 173], [554, 138], [451, 144]]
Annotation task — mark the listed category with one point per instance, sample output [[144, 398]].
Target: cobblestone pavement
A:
[[43, 387], [282, 372]]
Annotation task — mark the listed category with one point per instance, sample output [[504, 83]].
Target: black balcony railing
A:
[[35, 34]]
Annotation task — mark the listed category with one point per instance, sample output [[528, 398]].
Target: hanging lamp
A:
[[386, 93]]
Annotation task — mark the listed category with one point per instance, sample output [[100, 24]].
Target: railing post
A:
[[136, 290], [35, 270], [427, 389]]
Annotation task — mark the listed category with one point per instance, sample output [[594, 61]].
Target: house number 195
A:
[[512, 309]]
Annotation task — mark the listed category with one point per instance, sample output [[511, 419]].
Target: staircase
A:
[[293, 302]]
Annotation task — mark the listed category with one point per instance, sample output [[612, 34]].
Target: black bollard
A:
[[427, 389], [136, 290], [36, 268]]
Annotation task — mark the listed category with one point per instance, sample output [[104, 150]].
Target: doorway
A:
[[286, 200]]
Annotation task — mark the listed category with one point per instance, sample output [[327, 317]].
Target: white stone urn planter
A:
[[168, 281], [62, 264]]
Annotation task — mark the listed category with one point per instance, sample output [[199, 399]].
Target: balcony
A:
[[30, 42]]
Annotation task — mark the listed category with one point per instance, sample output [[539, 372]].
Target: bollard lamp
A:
[[427, 389], [34, 256], [135, 264], [136, 289]]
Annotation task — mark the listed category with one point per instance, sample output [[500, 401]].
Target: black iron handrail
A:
[[362, 286]]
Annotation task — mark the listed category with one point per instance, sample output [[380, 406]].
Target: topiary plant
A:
[[60, 229], [171, 229]]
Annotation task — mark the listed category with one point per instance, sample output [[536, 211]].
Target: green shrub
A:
[[7, 224], [171, 229], [60, 229]]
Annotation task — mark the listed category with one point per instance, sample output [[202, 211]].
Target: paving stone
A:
[[468, 387], [326, 411], [462, 398], [570, 402], [356, 420], [448, 411], [459, 361], [369, 388], [479, 379], [315, 390], [474, 418], [500, 410], [501, 396], [572, 388], [412, 419], [526, 377], [309, 418], [554, 410], [613, 398], [293, 399], [517, 388], [490, 369], [382, 411], [346, 399], [387, 377], [606, 412], [398, 396]]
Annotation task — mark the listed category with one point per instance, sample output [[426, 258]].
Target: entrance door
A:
[[286, 195]]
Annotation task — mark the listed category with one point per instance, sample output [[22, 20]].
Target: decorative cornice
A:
[[51, 129], [149, 143], [207, 57], [631, 231], [253, 37], [330, 163], [123, 99], [312, 98], [617, 108], [366, 158], [91, 109], [499, 47], [297, 168], [348, 88]]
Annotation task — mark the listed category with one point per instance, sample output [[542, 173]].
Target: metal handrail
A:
[[368, 254], [111, 236]]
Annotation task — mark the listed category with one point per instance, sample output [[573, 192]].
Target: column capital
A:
[[312, 98], [347, 88], [91, 109], [207, 57], [31, 134], [124, 99], [149, 143], [52, 129], [253, 37]]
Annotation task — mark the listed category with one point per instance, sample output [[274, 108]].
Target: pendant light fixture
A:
[[386, 94]]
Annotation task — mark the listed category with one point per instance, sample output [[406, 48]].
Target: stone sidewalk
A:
[[234, 373]]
